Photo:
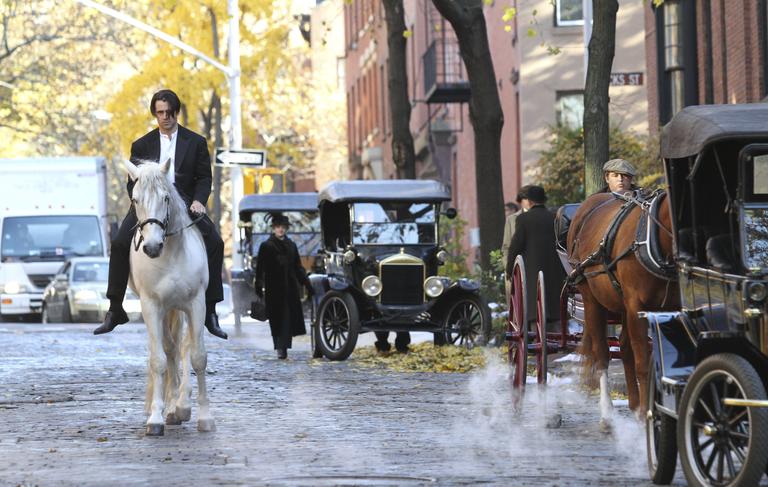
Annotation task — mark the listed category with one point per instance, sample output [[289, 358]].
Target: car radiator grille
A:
[[41, 280], [402, 284]]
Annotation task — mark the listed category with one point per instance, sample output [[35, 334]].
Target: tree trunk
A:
[[596, 124], [487, 119], [403, 154]]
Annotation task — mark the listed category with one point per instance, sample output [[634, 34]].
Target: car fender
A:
[[463, 284], [673, 351]]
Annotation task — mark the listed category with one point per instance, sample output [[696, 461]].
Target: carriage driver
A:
[[192, 178], [618, 174]]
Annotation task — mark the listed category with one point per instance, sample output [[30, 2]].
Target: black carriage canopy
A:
[[695, 127], [270, 202], [385, 190], [702, 147]]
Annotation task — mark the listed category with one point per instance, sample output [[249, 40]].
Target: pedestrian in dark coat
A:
[[534, 239], [279, 273]]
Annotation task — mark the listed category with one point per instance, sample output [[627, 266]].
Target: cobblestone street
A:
[[71, 410]]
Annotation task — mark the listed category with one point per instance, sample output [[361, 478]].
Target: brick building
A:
[[537, 89], [704, 52]]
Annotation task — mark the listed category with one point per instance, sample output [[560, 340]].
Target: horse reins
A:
[[162, 224], [602, 254]]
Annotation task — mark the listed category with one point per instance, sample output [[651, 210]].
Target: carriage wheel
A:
[[338, 325], [517, 330], [661, 444], [540, 333], [723, 444], [468, 322]]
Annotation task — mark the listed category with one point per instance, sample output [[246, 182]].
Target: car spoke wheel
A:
[[337, 325], [661, 444], [723, 444], [467, 322]]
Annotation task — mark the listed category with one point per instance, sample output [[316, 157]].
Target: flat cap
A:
[[620, 166]]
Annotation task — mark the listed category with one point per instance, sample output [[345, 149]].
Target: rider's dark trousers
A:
[[121, 247]]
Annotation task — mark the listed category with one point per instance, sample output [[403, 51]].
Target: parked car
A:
[[255, 227], [78, 293], [382, 259]]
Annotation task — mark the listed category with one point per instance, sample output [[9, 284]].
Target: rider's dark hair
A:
[[167, 96]]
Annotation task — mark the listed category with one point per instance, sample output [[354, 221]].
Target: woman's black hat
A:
[[279, 219]]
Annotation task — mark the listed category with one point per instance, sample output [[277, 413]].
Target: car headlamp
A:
[[372, 286], [442, 256], [757, 291], [349, 256], [434, 286], [86, 295], [14, 287]]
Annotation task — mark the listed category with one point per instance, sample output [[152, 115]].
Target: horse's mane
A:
[[154, 182]]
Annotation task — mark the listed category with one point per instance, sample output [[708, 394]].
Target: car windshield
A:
[[90, 272], [393, 223], [304, 230], [50, 238], [756, 238]]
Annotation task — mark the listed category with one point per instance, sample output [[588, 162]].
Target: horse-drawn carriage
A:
[[704, 395], [255, 227], [381, 244]]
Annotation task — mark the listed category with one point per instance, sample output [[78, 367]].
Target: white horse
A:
[[169, 273]]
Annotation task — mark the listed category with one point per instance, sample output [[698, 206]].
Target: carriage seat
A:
[[720, 253], [563, 219]]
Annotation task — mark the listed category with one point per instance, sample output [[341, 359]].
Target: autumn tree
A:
[[468, 21], [602, 46], [403, 155]]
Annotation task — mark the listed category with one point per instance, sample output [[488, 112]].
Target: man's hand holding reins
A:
[[197, 208]]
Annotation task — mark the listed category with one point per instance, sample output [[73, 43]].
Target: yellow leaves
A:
[[507, 28], [531, 32], [408, 33], [509, 14], [423, 357], [488, 2]]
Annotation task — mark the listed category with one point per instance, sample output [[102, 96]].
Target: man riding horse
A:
[[191, 177]]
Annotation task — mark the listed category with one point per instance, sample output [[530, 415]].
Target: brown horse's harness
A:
[[645, 246]]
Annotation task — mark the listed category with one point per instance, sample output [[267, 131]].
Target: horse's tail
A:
[[588, 374]]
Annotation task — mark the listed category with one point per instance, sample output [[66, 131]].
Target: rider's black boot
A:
[[212, 323], [115, 316]]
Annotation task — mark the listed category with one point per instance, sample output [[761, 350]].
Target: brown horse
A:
[[612, 279]]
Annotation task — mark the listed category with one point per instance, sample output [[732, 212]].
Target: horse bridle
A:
[[162, 224]]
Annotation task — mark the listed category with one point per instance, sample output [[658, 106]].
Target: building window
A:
[[673, 54], [569, 109], [569, 12]]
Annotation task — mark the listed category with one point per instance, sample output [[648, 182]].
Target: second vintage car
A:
[[382, 255]]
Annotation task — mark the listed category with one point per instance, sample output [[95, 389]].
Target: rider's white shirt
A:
[[168, 150]]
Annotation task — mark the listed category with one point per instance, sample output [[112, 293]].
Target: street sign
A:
[[241, 157]]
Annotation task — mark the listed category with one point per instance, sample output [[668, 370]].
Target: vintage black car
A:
[[382, 256], [708, 381], [255, 227]]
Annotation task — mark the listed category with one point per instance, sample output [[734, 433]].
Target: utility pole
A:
[[232, 72]]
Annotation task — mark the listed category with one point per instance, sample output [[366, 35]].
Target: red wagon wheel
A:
[[539, 346], [517, 330]]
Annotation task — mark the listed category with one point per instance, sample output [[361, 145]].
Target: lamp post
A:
[[232, 72]]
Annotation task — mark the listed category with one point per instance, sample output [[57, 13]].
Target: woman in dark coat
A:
[[279, 273]]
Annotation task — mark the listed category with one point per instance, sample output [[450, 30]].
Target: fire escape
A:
[[446, 89]]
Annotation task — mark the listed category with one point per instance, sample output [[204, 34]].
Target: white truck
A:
[[51, 209]]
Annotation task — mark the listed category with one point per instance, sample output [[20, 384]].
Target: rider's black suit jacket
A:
[[192, 163]]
